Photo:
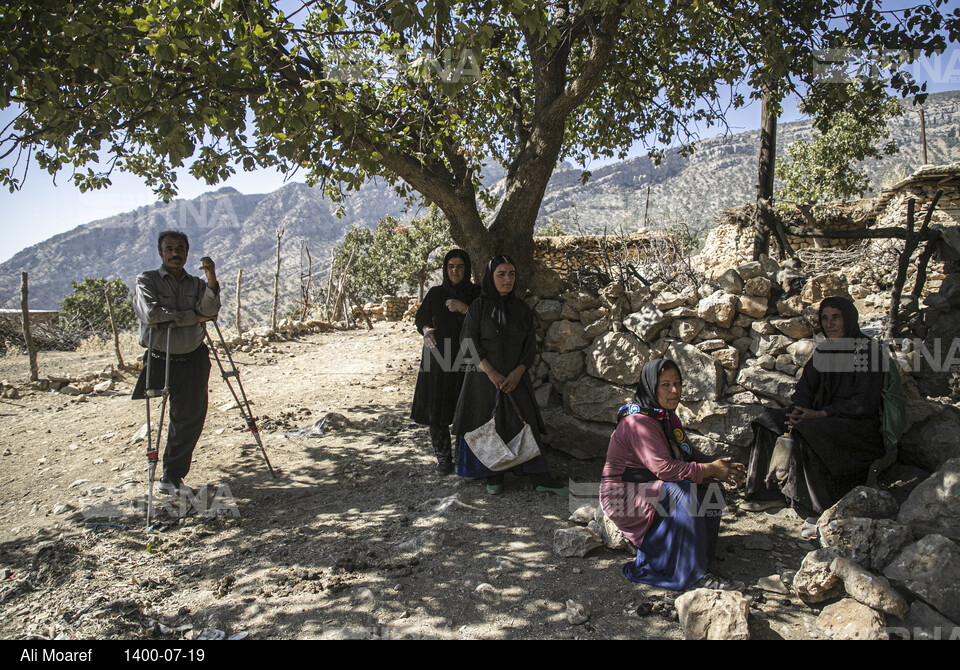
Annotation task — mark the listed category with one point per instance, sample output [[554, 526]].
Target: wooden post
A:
[[909, 246], [923, 135], [276, 281], [305, 289], [646, 206], [239, 279], [113, 326], [360, 307], [329, 296], [27, 335]]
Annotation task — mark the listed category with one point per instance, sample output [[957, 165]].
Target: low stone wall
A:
[[741, 348], [571, 255], [730, 242]]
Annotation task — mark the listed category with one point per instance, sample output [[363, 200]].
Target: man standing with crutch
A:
[[172, 298]]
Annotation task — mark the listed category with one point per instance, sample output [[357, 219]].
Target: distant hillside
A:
[[236, 230], [239, 231], [723, 173]]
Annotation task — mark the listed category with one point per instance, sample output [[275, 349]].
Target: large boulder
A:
[[815, 581], [581, 300], [566, 367], [703, 377], [731, 282], [824, 286], [938, 355], [564, 336], [617, 358], [795, 327], [581, 439], [647, 322], [925, 623], [873, 543], [851, 620], [930, 569], [865, 587], [723, 422], [864, 502], [719, 308], [548, 310], [934, 505], [752, 305], [767, 383], [592, 400], [575, 542], [931, 443]]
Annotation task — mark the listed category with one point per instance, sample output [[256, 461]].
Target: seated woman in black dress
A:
[[834, 422]]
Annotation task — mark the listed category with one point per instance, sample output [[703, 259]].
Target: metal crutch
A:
[[245, 410], [164, 393]]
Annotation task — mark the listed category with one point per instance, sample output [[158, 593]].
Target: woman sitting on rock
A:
[[655, 485], [834, 424]]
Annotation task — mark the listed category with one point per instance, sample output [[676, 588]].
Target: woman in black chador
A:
[[834, 423], [500, 335], [439, 320]]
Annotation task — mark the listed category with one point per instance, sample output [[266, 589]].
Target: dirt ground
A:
[[356, 537]]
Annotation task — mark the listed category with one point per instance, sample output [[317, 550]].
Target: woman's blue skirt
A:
[[682, 540], [469, 466]]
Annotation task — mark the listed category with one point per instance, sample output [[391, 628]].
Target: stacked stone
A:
[[730, 242], [568, 254], [395, 307], [738, 346]]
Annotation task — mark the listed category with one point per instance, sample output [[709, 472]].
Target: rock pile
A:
[[80, 386], [888, 570]]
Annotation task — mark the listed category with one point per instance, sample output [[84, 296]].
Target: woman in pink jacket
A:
[[662, 493]]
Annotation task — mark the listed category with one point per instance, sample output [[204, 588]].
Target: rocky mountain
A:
[[239, 231], [723, 173], [236, 230]]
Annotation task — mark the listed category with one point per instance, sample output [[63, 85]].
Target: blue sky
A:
[[42, 209]]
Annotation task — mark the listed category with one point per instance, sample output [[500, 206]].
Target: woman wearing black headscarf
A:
[[834, 422], [440, 319], [499, 334], [660, 490]]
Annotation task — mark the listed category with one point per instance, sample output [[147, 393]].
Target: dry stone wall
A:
[[741, 342]]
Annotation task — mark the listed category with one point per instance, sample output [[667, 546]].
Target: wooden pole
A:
[[276, 281], [309, 276], [329, 296], [923, 135], [27, 335], [239, 279], [360, 307], [909, 246], [113, 326], [646, 206]]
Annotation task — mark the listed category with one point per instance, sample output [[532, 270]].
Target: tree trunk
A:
[[763, 223], [27, 335], [113, 327]]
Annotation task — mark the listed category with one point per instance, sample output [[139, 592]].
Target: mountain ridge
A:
[[239, 230]]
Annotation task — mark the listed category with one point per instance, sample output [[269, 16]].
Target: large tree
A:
[[421, 93]]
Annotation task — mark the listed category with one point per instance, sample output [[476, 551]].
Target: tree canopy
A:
[[418, 93], [825, 167], [393, 255], [86, 307]]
